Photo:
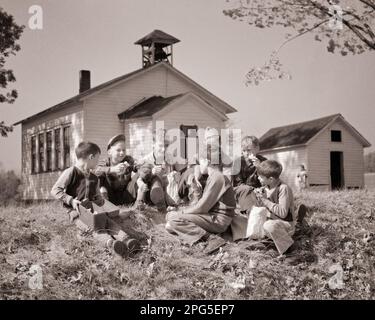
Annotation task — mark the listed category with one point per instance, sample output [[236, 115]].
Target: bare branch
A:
[[301, 33], [369, 3]]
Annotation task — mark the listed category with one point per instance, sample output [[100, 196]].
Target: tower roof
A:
[[157, 36]]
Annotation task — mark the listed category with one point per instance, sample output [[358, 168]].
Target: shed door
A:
[[337, 170]]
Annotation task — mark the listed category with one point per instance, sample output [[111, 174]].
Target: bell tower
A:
[[157, 46]]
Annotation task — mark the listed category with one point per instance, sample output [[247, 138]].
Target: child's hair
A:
[[249, 140], [84, 149], [302, 166], [270, 168]]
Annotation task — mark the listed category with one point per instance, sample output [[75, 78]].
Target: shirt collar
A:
[[270, 192]]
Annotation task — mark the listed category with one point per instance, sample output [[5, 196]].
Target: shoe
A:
[[293, 259], [214, 243], [139, 205], [254, 245], [301, 213], [162, 208], [274, 254], [156, 195], [118, 247], [133, 245], [291, 249]]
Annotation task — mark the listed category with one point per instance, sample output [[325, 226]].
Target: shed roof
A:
[[147, 107], [157, 36], [301, 133]]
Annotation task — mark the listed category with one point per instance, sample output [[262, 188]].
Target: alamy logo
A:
[[36, 19]]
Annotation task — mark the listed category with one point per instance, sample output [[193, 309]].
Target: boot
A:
[[118, 247], [301, 213], [133, 245], [214, 243]]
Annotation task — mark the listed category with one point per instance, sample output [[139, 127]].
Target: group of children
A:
[[208, 194]]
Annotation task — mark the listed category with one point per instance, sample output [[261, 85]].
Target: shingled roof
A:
[[147, 107], [294, 134], [157, 36]]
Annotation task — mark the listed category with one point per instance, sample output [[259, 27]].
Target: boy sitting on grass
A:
[[246, 180], [211, 215], [115, 173], [277, 197], [152, 177], [78, 186]]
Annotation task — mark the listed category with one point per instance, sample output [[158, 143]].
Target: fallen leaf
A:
[[238, 284], [77, 278], [150, 269]]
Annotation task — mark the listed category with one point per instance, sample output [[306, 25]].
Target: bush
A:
[[9, 187]]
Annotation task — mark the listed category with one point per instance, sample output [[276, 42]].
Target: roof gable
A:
[[199, 102], [157, 106], [116, 81]]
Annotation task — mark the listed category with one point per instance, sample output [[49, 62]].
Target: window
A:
[[57, 148], [41, 152], [336, 136], [66, 132], [33, 154], [49, 151]]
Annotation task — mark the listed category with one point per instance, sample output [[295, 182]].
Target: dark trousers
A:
[[245, 197]]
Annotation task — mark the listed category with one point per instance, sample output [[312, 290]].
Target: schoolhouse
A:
[[330, 148], [130, 104]]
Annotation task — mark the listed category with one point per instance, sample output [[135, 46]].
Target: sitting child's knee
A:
[[270, 226]]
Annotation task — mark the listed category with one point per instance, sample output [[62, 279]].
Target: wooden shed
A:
[[330, 149], [130, 104]]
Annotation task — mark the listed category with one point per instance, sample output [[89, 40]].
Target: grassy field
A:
[[336, 243]]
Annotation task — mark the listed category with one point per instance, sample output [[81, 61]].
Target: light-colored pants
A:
[[281, 233], [192, 227]]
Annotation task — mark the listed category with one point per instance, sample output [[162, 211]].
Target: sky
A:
[[214, 51]]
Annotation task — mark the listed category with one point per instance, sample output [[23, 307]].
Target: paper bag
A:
[[257, 218]]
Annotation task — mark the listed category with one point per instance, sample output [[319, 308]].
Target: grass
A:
[[338, 233]]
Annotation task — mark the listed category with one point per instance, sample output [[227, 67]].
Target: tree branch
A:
[[369, 3], [301, 33], [352, 27]]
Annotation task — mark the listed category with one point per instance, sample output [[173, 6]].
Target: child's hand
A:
[[254, 160], [118, 168], [197, 175], [157, 170], [104, 192], [260, 193], [75, 204]]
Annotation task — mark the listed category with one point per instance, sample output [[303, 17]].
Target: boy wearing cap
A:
[[115, 173]]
